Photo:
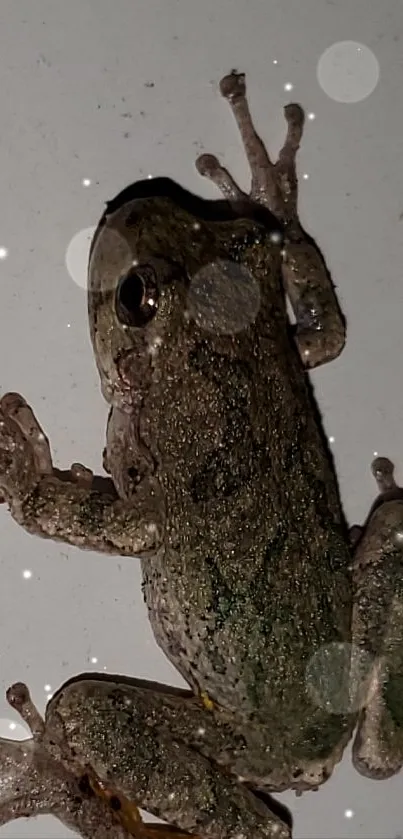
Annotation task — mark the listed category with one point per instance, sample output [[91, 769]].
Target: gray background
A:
[[76, 103]]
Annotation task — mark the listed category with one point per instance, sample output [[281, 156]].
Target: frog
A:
[[285, 624]]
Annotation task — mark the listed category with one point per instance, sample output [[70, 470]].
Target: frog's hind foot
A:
[[378, 629]]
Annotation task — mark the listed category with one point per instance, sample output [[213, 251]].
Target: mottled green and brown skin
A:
[[222, 483]]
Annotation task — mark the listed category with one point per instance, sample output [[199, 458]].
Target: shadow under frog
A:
[[287, 630]]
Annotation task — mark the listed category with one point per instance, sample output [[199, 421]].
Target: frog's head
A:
[[161, 280]]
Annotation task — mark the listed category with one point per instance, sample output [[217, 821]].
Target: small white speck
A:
[[201, 730], [376, 454], [288, 86], [27, 574], [12, 726], [49, 696], [196, 225], [68, 325], [311, 116], [331, 439], [275, 236], [349, 814], [86, 181], [3, 253], [306, 353], [151, 527], [94, 659], [149, 177], [275, 61], [305, 176], [171, 796], [105, 668], [135, 262], [47, 688]]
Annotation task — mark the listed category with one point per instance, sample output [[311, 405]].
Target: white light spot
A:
[[151, 527], [135, 262], [86, 181], [223, 297], [306, 353], [376, 454], [201, 730], [288, 86], [149, 177], [338, 677], [171, 796], [348, 71], [349, 814], [68, 325], [305, 176], [18, 731], [276, 237], [94, 659], [3, 253], [311, 116], [77, 254], [331, 439], [27, 574], [49, 696], [47, 688], [196, 225], [275, 61]]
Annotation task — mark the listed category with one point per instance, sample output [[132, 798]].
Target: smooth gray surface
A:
[[75, 103]]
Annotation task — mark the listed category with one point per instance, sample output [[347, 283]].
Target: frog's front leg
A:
[[320, 330], [378, 630], [74, 506], [159, 747]]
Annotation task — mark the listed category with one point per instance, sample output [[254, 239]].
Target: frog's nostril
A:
[[137, 296]]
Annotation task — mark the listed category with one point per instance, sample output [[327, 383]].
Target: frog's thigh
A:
[[139, 741], [320, 326], [378, 640]]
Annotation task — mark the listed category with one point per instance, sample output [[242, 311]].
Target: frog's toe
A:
[[233, 86], [16, 410]]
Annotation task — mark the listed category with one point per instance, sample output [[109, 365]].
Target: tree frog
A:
[[286, 627]]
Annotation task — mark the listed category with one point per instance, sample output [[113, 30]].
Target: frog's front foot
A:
[[25, 456], [24, 449], [320, 327]]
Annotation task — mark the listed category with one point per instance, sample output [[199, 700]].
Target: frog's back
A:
[[254, 577]]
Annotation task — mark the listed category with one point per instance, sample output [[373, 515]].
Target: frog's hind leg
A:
[[378, 630], [37, 780], [158, 746]]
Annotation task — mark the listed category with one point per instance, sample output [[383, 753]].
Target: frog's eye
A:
[[137, 296]]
